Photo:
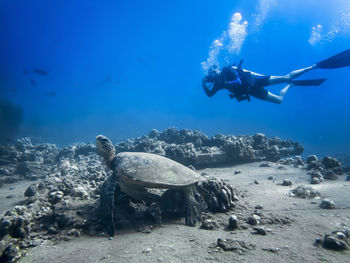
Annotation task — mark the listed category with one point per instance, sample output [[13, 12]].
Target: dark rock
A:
[[233, 222], [314, 165], [286, 161], [52, 230], [9, 254], [19, 232], [330, 162], [55, 196], [338, 170], [244, 226], [237, 172], [253, 220], [338, 240], [66, 186], [4, 171], [272, 249], [316, 180], [315, 174], [259, 207], [73, 232], [209, 224], [34, 189], [260, 231], [5, 226], [20, 210], [318, 242], [287, 182], [327, 204], [2, 247], [234, 245], [311, 158], [265, 165], [330, 175], [64, 219], [305, 191], [260, 141], [298, 161]]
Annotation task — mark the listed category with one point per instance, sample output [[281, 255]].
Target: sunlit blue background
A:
[[122, 68]]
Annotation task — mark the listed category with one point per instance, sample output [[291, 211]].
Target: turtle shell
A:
[[154, 171]]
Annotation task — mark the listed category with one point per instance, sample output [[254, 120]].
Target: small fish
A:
[[51, 94], [141, 60], [33, 82], [40, 71], [108, 78]]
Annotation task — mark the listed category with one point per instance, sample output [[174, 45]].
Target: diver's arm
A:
[[210, 92], [234, 83], [251, 72]]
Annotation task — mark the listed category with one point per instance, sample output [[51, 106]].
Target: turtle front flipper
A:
[[192, 208], [106, 150], [107, 203]]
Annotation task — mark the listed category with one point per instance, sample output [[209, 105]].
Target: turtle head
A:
[[105, 148]]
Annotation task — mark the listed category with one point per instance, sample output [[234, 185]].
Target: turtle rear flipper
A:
[[192, 208], [107, 203]]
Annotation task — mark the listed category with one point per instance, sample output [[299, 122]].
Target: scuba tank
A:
[[247, 84]]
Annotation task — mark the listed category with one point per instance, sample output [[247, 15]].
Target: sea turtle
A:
[[136, 171]]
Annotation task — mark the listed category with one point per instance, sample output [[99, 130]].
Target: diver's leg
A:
[[291, 75], [277, 98], [296, 73]]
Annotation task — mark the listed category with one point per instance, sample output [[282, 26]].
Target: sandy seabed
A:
[[175, 242]]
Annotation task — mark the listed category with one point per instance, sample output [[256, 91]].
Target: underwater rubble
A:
[[62, 202], [327, 168]]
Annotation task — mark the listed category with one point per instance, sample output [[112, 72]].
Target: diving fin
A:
[[240, 64], [337, 61], [308, 82]]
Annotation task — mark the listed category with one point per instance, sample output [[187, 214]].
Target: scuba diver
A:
[[243, 83]]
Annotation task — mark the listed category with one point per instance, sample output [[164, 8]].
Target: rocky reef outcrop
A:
[[193, 147], [25, 160]]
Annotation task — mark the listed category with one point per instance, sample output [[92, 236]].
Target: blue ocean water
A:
[[73, 69]]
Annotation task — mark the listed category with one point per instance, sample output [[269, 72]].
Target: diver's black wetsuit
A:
[[240, 83]]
